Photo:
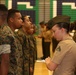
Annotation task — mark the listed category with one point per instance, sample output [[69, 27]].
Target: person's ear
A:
[[11, 19]]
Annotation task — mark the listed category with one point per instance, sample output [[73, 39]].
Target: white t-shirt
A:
[[5, 49]]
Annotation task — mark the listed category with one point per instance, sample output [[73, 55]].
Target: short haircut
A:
[[23, 18], [11, 13], [41, 23], [3, 8]]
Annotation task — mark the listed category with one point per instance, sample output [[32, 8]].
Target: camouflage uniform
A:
[[33, 53], [25, 46], [16, 55], [35, 47]]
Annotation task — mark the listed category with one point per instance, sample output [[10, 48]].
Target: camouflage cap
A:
[[58, 19]]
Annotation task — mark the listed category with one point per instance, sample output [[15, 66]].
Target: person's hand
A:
[[48, 60], [31, 69], [50, 65]]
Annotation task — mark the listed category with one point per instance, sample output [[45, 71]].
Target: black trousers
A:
[[43, 51], [45, 48]]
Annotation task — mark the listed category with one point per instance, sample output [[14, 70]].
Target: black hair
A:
[[50, 23], [72, 26], [11, 13], [3, 7], [75, 25], [48, 27], [23, 18], [64, 25], [31, 20], [41, 23]]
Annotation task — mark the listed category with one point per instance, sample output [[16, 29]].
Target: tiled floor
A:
[[40, 67]]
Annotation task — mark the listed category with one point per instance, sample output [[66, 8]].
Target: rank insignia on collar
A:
[[58, 48]]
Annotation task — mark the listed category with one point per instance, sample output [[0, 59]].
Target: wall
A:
[[63, 7], [45, 9], [2, 1]]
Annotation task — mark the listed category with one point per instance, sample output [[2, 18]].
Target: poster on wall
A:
[[63, 7], [26, 7]]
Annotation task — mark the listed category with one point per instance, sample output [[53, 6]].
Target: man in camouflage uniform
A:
[[16, 56], [4, 43], [23, 37], [33, 48]]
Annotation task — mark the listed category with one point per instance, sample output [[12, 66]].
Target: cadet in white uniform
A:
[[64, 58]]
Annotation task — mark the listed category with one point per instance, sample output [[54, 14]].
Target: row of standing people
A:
[[28, 41], [63, 45], [17, 48], [46, 35]]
